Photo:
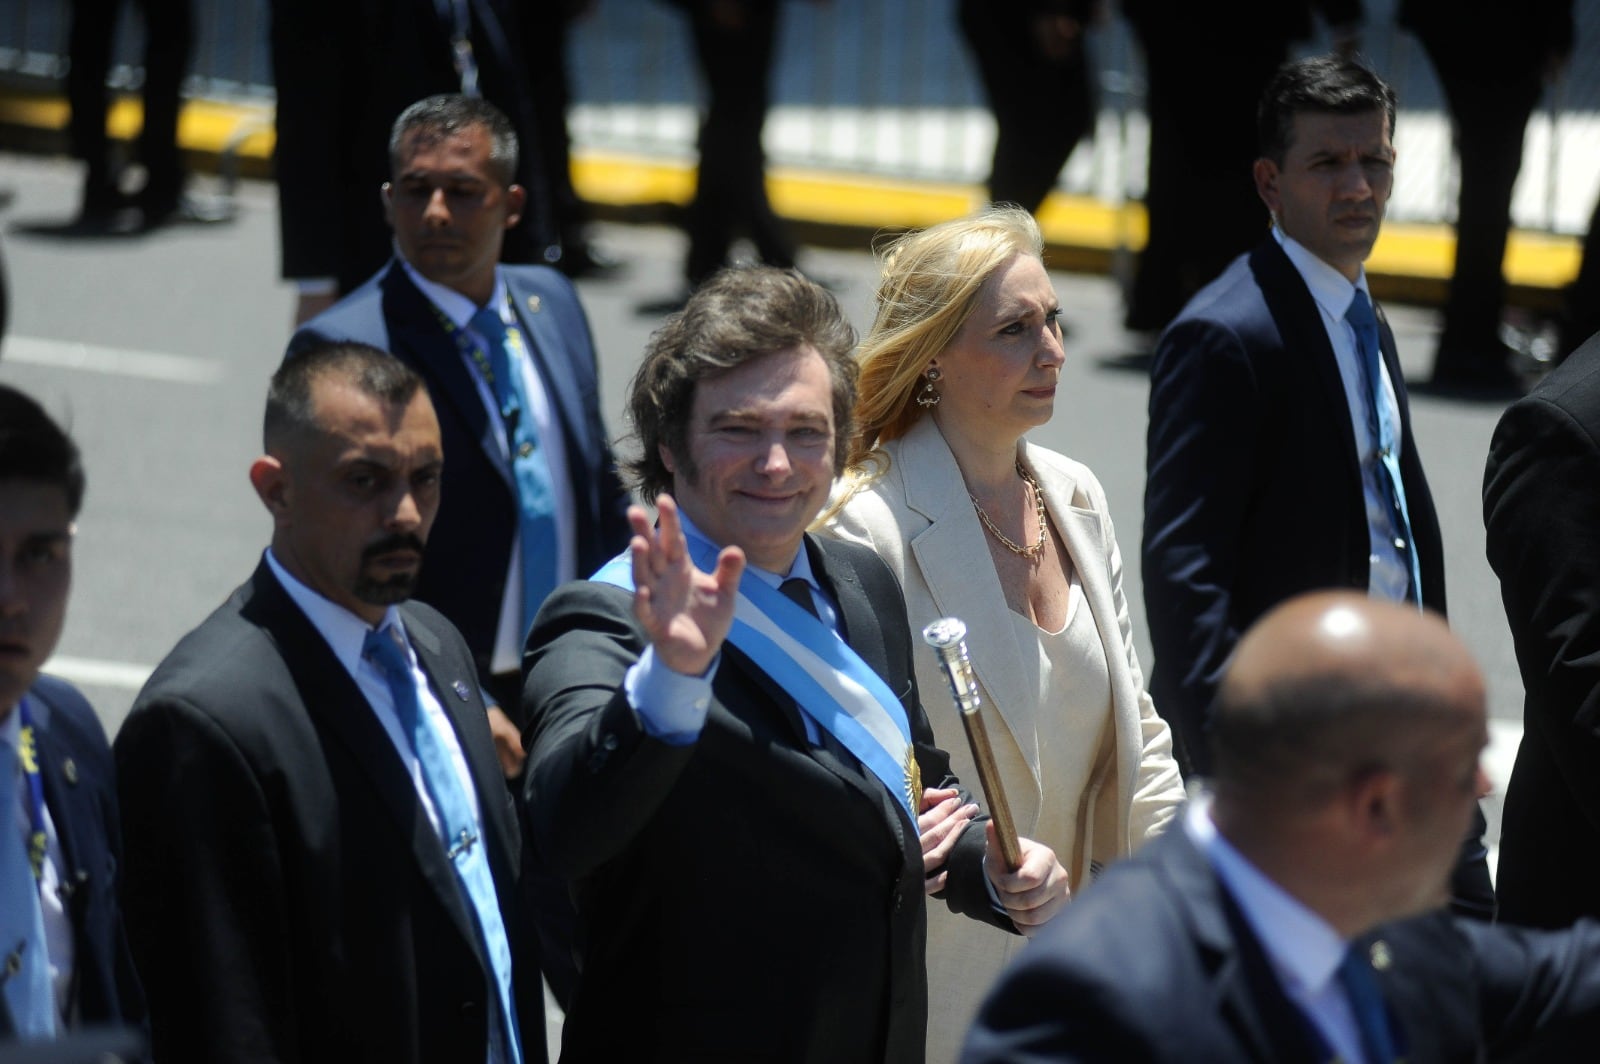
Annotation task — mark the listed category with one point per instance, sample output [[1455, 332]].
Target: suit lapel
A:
[[954, 561], [417, 337], [1246, 992], [60, 797], [861, 630], [332, 699], [1307, 351], [541, 331]]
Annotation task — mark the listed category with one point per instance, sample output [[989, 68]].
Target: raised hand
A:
[[686, 612]]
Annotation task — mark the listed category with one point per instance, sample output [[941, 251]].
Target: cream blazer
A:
[[919, 518]]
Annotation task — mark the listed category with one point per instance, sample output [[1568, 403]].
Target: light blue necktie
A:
[[1385, 434], [530, 466], [1366, 1005], [24, 965], [458, 829]]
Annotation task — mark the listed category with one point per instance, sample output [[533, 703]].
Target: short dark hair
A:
[[436, 117], [737, 316], [373, 371], [1324, 84], [34, 448]]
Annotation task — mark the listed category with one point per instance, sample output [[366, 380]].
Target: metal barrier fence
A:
[[886, 87]]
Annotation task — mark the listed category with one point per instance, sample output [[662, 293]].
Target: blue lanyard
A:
[[28, 757]]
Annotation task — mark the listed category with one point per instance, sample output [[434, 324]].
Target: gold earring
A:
[[929, 396]]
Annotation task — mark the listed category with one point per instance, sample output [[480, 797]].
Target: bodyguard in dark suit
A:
[[64, 959], [1261, 447], [739, 823], [1280, 456], [321, 853], [450, 199], [1541, 509], [1347, 739]]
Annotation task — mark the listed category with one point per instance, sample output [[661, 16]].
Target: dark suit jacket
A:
[[747, 896], [1541, 509], [344, 72], [1253, 491], [287, 898], [80, 792], [1155, 963], [464, 574]]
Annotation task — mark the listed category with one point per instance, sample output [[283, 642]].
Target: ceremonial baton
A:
[[948, 638]]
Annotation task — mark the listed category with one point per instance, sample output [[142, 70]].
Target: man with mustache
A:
[[1280, 457], [321, 855], [534, 497]]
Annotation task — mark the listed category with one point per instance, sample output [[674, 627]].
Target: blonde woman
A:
[[963, 360]]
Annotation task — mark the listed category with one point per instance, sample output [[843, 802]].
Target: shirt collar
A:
[[1330, 288], [800, 567], [452, 304], [345, 633], [1304, 949]]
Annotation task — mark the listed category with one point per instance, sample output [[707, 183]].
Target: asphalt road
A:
[[156, 350]]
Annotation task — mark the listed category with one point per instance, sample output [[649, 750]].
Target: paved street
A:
[[157, 350]]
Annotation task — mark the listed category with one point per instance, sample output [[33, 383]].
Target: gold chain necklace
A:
[[1038, 510]]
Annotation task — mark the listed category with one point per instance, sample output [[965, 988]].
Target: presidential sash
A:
[[828, 681]]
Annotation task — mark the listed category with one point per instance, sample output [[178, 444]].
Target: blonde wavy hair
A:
[[929, 286]]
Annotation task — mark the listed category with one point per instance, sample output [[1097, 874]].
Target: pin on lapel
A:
[[460, 689], [534, 303], [1380, 955], [69, 769]]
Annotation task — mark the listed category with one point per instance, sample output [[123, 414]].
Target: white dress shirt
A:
[[1304, 951], [509, 636], [1389, 569], [346, 635]]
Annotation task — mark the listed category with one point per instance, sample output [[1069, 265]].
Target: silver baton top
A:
[[947, 636]]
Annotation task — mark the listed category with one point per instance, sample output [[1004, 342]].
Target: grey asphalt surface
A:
[[157, 349]]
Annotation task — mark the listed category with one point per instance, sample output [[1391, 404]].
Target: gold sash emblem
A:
[[913, 779]]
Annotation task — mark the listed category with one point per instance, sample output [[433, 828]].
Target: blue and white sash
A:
[[827, 680]]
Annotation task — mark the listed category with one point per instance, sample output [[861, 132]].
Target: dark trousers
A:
[[1042, 107], [1489, 107], [169, 41], [1200, 197], [730, 193]]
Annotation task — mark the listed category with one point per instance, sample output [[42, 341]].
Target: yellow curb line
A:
[[1410, 256]]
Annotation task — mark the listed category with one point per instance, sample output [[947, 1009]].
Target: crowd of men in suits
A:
[[415, 763]]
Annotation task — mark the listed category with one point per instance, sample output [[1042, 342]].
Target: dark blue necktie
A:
[[1385, 434], [530, 465], [24, 967], [458, 827], [1366, 1005]]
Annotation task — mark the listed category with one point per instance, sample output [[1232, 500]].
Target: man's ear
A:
[[271, 481], [1265, 172], [386, 194], [1373, 805], [516, 200], [666, 458]]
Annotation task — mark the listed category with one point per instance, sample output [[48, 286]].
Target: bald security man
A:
[[1347, 744]]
